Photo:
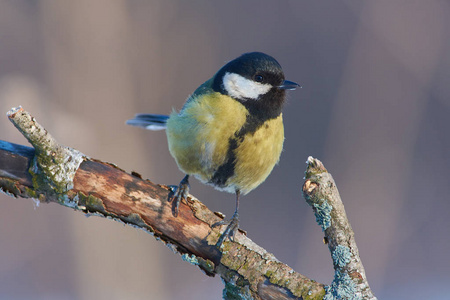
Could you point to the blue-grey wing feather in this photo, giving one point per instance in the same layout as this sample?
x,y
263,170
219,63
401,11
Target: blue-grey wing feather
x,y
149,121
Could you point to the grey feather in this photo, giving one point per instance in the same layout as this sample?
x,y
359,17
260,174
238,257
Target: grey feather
x,y
149,121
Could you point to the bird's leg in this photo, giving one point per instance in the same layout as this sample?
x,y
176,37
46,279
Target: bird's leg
x,y
181,193
233,224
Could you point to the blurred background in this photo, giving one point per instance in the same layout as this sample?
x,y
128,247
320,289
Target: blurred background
x,y
374,107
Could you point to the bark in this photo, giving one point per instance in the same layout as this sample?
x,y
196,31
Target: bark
x,y
322,195
51,172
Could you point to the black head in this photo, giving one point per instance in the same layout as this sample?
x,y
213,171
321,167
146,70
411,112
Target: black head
x,y
256,80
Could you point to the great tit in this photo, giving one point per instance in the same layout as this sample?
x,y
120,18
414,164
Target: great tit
x,y
229,133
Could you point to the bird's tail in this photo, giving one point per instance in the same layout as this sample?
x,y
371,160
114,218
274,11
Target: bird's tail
x,y
148,121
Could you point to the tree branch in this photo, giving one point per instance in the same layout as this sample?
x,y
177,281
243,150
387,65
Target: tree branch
x,y
322,195
54,173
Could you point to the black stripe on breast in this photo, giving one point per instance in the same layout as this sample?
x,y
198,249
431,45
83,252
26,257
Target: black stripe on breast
x,y
266,108
226,170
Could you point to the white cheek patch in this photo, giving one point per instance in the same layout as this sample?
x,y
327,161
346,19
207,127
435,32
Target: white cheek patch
x,y
241,87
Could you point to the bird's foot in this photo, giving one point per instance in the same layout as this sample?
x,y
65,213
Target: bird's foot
x,y
180,193
230,231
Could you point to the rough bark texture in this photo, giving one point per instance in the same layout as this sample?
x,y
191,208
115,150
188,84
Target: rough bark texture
x,y
322,195
54,173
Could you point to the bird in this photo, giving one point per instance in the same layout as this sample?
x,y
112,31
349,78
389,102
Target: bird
x,y
229,133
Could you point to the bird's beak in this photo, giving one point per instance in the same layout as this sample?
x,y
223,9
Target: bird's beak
x,y
289,85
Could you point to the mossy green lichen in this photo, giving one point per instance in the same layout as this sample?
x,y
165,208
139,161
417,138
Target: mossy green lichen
x,y
207,266
9,187
53,170
33,194
314,296
268,273
253,267
136,220
91,203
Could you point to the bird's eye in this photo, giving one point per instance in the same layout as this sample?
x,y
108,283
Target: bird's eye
x,y
258,78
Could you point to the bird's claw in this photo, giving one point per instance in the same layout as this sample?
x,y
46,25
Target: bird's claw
x,y
180,193
230,231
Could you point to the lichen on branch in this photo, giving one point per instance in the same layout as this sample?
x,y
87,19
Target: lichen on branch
x,y
53,173
322,195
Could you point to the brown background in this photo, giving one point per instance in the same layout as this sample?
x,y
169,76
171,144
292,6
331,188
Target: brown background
x,y
374,108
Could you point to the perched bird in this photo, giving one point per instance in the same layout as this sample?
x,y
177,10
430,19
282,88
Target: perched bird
x,y
229,133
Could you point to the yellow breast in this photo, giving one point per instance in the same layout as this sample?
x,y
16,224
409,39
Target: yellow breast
x,y
199,135
257,154
199,139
